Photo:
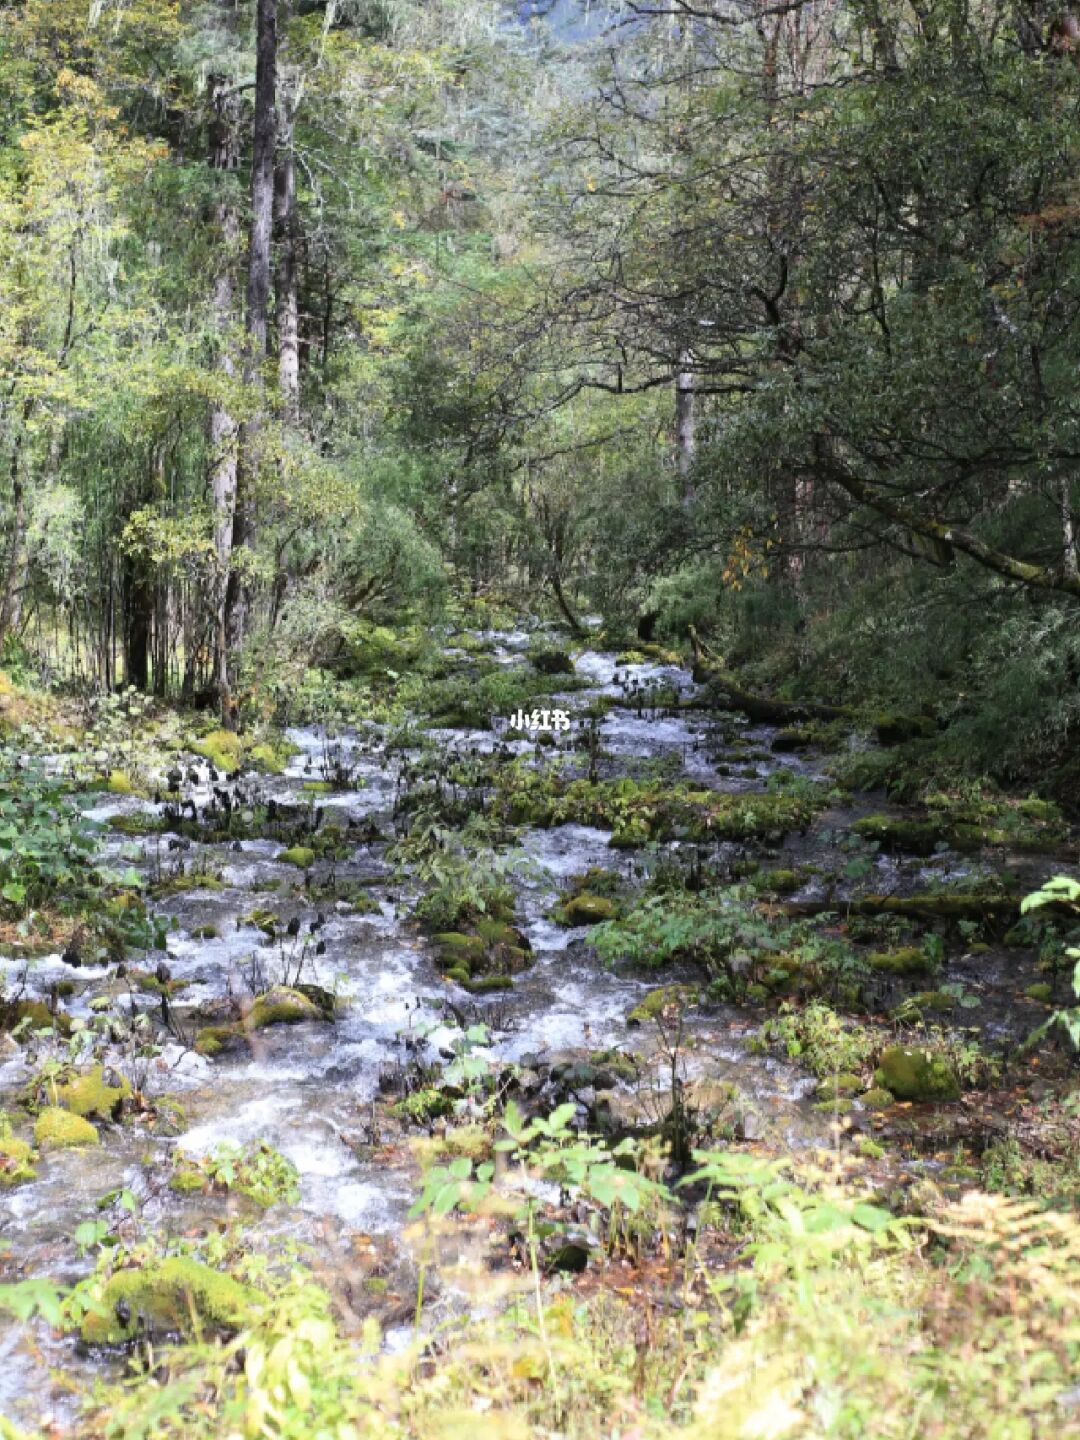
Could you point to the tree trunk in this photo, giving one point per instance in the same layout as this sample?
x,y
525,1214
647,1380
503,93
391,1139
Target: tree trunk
x,y
288,299
1070,554
685,428
224,156
257,325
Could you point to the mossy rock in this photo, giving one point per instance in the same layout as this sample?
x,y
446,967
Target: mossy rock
x,y
792,738
91,1094
302,856
657,1001
456,950
869,1149
498,932
909,960
206,932
57,1129
916,1074
898,729
877,1098
223,748
843,1084
937,1000
836,1105
318,787
139,823
120,783
272,756
16,1161
586,909
14,1012
173,1296
778,882
281,1006
218,1039
908,837
1040,991
459,974
485,984
552,662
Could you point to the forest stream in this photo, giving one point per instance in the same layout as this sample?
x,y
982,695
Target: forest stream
x,y
322,1092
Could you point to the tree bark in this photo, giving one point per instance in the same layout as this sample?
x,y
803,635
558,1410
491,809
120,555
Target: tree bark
x,y
288,299
685,428
237,593
224,157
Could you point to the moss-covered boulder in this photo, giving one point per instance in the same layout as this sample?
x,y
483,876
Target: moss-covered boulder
x,y
586,909
223,748
916,1074
281,1006
1040,991
908,960
94,1094
485,984
302,856
176,1296
57,1129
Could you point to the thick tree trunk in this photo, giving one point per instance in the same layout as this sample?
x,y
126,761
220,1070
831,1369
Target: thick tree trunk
x,y
237,596
224,154
1070,553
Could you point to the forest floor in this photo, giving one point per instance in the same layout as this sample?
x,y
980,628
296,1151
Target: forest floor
x,y
432,1078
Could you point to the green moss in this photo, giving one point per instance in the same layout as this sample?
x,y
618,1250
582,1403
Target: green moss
x,y
205,932
281,1006
318,787
586,909
14,1012
916,1074
16,1161
484,984
498,932
272,757
90,1094
57,1129
120,783
869,1149
657,1001
778,882
838,1105
455,950
187,1182
423,1105
878,1098
302,856
844,1084
213,1039
222,748
909,960
1040,991
140,823
174,1296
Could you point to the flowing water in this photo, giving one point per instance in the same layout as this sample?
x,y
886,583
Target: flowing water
x,y
309,1089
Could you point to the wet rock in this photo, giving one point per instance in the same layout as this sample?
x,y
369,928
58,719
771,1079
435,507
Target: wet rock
x,y
916,1074
281,1006
57,1129
909,837
173,1296
586,909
